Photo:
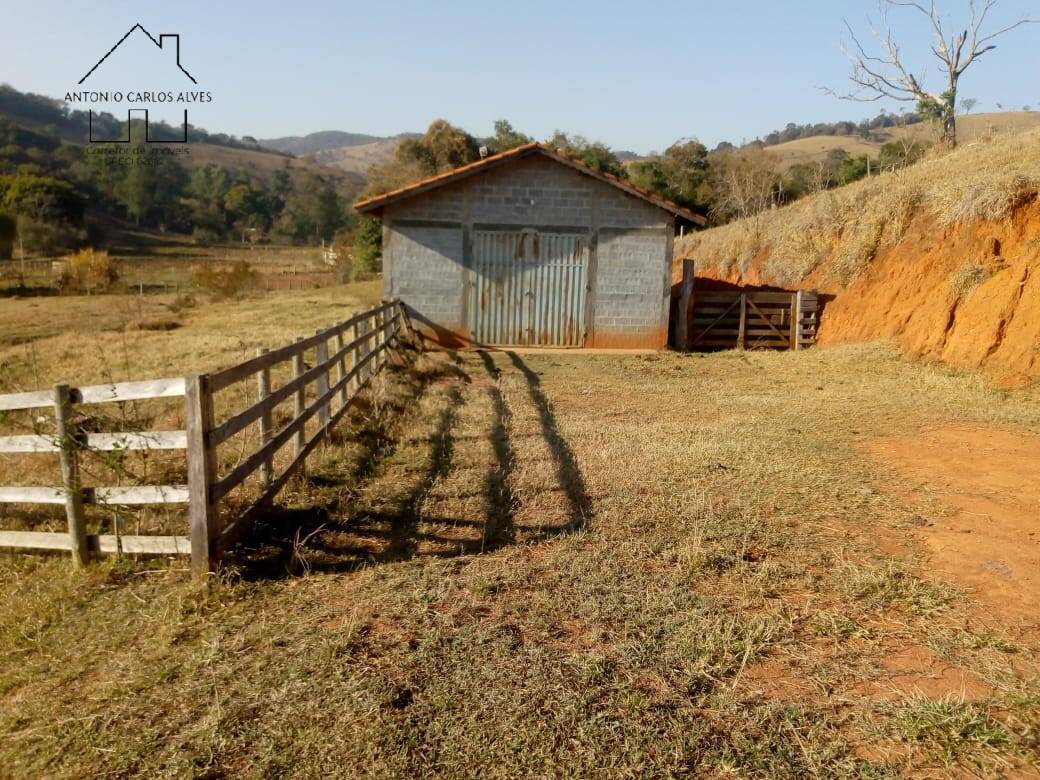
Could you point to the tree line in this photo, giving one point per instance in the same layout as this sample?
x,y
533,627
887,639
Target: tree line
x,y
56,196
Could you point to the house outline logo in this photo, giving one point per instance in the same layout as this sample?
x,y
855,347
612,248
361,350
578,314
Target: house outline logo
x,y
163,37
158,42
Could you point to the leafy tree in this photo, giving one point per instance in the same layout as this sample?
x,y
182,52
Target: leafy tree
x,y
368,245
595,154
48,212
248,206
506,138
313,212
151,187
681,174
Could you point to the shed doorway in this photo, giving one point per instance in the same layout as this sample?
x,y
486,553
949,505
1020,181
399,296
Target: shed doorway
x,y
529,288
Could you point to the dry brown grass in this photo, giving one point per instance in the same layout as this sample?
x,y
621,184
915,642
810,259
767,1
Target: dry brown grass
x,y
969,128
839,232
547,565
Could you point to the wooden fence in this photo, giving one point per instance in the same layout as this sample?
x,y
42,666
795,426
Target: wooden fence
x,y
744,319
360,347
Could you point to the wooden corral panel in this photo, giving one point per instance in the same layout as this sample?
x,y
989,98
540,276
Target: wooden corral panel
x,y
736,319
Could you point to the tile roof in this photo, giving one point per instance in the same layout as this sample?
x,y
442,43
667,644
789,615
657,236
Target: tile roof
x,y
376,203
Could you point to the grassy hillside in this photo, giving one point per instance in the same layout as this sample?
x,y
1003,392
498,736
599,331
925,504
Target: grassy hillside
x,y
316,142
969,128
262,164
940,256
357,160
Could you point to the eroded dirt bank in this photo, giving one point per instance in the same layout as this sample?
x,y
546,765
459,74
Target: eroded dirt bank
x,y
968,295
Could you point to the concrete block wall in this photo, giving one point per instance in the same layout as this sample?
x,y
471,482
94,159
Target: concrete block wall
x,y
630,281
425,271
424,256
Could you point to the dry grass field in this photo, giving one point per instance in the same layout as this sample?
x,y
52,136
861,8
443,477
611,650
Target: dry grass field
x,y
556,565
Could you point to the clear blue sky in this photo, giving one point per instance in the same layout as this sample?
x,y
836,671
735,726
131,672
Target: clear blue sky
x,y
637,75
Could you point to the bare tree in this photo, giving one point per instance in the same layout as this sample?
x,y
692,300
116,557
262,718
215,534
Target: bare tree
x,y
968,104
885,74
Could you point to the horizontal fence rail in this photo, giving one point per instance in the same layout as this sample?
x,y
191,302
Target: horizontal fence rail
x,y
346,357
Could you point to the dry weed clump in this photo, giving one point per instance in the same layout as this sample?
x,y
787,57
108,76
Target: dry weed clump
x,y
86,271
968,278
840,231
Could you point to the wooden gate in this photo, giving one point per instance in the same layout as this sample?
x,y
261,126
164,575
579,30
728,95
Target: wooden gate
x,y
735,319
529,288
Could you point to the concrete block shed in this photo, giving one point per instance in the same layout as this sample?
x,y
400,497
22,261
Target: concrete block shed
x,y
530,248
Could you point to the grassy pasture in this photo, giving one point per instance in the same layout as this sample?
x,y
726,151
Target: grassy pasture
x,y
542,565
165,262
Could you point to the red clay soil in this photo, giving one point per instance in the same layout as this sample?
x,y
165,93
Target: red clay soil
x,y
905,295
984,534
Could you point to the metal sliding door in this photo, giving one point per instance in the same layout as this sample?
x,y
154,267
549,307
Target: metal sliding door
x,y
529,288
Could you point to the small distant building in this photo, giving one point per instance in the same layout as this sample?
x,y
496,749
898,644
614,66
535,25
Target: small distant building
x,y
531,247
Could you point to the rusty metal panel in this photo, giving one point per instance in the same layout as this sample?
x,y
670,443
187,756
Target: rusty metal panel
x,y
529,288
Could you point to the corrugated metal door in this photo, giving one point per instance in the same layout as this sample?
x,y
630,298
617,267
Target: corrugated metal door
x,y
529,288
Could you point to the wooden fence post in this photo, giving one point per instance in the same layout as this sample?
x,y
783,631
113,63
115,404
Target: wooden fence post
x,y
299,440
202,469
363,350
69,444
354,335
796,321
741,340
682,330
263,389
321,352
341,370
377,363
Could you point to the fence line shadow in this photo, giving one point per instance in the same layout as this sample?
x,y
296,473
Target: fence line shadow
x,y
500,527
568,474
288,540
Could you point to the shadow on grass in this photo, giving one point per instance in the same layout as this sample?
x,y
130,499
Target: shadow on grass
x,y
499,528
567,472
345,532
288,540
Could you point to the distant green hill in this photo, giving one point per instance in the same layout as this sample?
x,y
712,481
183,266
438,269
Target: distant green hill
x,y
325,140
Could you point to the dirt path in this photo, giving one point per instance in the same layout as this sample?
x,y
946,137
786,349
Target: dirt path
x,y
980,493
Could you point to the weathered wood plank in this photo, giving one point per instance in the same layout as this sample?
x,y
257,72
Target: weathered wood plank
x,y
32,495
35,540
144,440
104,543
35,400
140,545
28,443
140,494
129,391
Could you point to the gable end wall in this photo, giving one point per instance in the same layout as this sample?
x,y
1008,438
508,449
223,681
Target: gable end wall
x,y
427,243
